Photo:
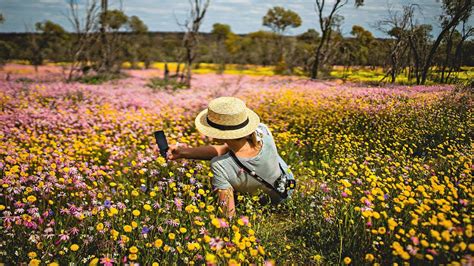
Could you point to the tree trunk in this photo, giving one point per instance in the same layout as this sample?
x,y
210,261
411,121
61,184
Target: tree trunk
x,y
317,58
167,72
450,25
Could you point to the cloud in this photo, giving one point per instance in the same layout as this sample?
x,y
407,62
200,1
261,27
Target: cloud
x,y
242,15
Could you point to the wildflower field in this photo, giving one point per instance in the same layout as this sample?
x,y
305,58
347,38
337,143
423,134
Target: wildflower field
x,y
384,175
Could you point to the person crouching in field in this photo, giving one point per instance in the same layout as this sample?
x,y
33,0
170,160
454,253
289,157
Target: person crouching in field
x,y
246,159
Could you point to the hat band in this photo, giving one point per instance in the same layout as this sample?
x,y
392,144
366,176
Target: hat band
x,y
225,127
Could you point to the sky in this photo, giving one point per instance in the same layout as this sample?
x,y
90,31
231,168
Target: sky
x,y
243,16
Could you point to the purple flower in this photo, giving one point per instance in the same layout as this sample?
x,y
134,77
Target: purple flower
x,y
145,230
216,243
203,231
107,203
74,231
179,203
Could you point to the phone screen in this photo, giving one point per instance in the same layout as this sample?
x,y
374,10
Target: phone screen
x,y
161,141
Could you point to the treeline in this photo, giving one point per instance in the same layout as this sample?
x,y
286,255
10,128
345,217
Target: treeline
x,y
259,48
107,38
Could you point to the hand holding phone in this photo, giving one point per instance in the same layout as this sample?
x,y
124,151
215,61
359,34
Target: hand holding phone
x,y
162,143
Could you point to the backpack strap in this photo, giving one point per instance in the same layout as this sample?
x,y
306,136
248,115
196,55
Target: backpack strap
x,y
254,175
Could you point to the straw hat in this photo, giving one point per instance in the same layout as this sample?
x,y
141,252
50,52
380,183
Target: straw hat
x,y
227,118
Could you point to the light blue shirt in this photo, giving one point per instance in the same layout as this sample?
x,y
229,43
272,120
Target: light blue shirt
x,y
265,164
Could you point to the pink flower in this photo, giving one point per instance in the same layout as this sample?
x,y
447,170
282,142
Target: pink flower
x,y
106,261
223,223
245,219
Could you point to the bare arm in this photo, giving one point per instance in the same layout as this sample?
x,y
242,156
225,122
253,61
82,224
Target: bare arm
x,y
226,198
198,153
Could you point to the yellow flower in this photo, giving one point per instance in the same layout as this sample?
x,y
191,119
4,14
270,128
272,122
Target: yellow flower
x,y
147,207
158,243
32,255
54,263
136,213
171,236
347,260
189,209
182,230
134,224
74,247
233,262
210,208
34,262
381,230
317,258
446,236
376,215
99,226
253,252
133,249
31,199
216,222
133,256
94,262
210,258
2,207
113,211
369,257
127,228
405,255
190,246
135,193
424,243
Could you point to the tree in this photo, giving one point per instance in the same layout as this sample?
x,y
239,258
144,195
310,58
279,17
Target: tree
x,y
307,43
397,26
363,43
279,19
79,51
419,37
111,21
327,25
53,39
220,33
139,45
45,42
191,37
454,12
6,48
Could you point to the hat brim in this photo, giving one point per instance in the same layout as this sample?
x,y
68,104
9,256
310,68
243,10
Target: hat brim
x,y
203,127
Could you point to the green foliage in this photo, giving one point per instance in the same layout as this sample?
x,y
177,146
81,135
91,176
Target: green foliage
x,y
99,78
136,25
113,19
170,84
279,19
6,50
221,31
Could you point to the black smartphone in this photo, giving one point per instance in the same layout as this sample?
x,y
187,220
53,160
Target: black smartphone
x,y
161,141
